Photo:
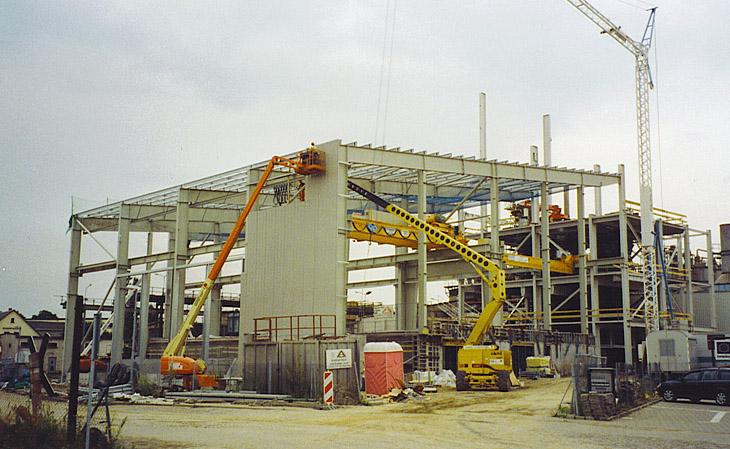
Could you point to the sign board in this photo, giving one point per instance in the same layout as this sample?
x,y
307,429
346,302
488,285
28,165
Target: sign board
x,y
722,349
339,358
601,380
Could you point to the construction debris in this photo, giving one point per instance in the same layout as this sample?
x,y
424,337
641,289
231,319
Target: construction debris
x,y
228,397
395,395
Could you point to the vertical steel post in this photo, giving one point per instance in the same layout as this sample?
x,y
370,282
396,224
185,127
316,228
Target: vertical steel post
x,y
483,155
92,375
73,393
711,279
582,279
623,242
144,306
71,292
597,207
120,291
422,254
545,254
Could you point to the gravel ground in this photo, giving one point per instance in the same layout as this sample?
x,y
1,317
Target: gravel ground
x,y
519,419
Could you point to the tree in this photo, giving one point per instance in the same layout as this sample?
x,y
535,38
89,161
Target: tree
x,y
44,315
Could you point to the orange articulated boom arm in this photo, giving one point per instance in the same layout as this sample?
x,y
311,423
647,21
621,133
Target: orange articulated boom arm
x,y
178,341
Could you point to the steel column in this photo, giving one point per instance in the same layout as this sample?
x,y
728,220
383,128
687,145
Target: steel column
x,y
72,292
623,242
582,260
422,275
120,288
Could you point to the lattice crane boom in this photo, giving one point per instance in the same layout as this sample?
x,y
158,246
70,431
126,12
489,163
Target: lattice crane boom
x,y
644,83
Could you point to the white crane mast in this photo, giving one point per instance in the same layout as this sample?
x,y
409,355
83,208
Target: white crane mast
x,y
640,50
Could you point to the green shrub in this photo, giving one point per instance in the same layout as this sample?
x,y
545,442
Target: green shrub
x,y
19,429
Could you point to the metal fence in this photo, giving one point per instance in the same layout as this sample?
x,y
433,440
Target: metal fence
x,y
14,402
297,368
10,401
602,392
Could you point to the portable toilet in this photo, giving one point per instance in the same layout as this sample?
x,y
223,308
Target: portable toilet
x,y
383,365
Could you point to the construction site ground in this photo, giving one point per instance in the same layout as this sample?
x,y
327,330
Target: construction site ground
x,y
521,418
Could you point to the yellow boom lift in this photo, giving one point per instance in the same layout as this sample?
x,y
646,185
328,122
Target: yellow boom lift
x,y
173,361
479,366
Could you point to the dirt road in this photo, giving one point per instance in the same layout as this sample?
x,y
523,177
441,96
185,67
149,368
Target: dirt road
x,y
518,419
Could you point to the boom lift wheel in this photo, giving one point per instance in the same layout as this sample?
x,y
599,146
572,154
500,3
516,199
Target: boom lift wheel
x,y
461,383
503,381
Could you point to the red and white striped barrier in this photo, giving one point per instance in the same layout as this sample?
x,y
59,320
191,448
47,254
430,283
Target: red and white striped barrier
x,y
328,387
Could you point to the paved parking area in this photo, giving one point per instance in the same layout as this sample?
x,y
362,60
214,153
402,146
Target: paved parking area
x,y
704,417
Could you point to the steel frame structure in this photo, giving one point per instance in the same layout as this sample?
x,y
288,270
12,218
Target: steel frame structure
x,y
419,182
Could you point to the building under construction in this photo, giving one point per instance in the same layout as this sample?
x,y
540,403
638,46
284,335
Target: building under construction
x,y
573,277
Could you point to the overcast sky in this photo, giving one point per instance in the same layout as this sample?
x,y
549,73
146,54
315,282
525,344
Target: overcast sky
x,y
108,100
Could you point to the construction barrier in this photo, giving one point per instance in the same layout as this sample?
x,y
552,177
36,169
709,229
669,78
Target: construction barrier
x,y
328,388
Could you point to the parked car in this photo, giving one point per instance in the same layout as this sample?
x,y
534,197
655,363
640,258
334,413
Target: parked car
x,y
708,383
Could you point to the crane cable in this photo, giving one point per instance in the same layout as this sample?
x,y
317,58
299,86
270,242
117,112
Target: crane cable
x,y
383,77
658,128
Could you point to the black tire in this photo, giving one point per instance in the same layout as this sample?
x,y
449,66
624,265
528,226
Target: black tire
x,y
503,381
721,398
461,383
669,395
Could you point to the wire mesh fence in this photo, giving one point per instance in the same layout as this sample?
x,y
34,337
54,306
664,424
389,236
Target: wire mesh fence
x,y
19,402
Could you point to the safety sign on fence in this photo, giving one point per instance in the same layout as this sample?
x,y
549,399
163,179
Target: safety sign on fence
x,y
328,387
339,358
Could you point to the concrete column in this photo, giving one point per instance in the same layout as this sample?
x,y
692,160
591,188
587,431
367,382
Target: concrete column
x,y
120,290
180,260
422,254
582,280
545,254
598,209
623,239
566,201
72,291
711,279
595,300
144,310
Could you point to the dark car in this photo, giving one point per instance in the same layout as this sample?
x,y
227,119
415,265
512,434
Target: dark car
x,y
708,383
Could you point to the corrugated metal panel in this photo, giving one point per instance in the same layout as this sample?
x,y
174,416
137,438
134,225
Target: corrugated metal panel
x,y
297,368
292,254
703,310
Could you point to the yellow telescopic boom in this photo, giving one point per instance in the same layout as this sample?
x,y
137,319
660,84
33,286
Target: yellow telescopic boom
x,y
495,281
